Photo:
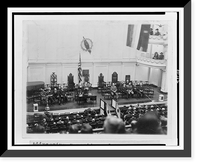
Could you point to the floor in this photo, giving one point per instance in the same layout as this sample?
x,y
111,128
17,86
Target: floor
x,y
74,104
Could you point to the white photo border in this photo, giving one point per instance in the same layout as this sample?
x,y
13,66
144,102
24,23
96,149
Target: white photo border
x,y
17,121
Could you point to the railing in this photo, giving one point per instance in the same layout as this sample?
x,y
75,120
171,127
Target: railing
x,y
99,130
146,59
158,40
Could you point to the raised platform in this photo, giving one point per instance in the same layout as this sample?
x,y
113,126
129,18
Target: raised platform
x,y
81,109
73,105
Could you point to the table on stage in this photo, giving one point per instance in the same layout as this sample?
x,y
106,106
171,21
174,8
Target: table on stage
x,y
86,98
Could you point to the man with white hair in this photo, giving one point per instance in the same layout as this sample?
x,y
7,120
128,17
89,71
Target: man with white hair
x,y
114,125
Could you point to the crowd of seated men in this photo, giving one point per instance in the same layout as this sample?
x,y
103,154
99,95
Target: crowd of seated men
x,y
51,95
56,123
127,90
130,115
61,94
90,121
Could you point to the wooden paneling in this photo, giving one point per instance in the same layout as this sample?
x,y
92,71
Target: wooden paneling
x,y
36,73
42,72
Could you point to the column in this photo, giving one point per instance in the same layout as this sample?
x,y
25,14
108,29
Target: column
x,y
149,74
164,81
135,71
94,84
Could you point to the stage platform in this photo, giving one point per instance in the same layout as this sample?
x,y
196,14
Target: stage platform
x,y
73,105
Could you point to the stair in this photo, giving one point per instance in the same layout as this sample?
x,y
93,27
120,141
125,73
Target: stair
x,y
113,113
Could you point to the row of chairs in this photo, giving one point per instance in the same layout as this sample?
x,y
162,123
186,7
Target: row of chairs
x,y
54,123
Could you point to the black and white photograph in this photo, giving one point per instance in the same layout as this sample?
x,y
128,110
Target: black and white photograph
x,y
96,79
96,76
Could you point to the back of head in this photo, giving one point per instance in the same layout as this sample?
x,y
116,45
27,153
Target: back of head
x,y
74,128
133,124
114,125
151,115
86,128
38,129
149,124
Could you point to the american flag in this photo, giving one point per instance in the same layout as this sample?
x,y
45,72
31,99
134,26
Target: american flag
x,y
79,69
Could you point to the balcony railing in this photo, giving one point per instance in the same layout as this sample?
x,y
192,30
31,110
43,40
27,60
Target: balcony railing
x,y
146,59
158,40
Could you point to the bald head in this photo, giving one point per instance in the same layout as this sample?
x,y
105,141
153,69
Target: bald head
x,y
114,125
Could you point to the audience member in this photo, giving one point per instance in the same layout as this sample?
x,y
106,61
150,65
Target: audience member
x,y
114,125
161,56
74,128
38,128
86,129
157,33
113,90
156,55
149,124
151,31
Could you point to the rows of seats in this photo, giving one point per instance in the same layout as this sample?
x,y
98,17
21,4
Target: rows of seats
x,y
129,113
54,123
57,123
129,89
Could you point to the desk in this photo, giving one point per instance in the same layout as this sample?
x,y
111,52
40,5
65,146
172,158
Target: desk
x,y
107,96
85,98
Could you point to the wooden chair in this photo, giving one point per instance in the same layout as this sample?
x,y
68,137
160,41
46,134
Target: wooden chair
x,y
101,83
93,99
71,84
127,77
53,80
114,77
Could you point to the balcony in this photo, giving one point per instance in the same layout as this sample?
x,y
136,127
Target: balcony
x,y
162,40
144,58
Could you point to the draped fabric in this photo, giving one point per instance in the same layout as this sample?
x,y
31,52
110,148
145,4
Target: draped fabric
x,y
129,41
144,37
79,70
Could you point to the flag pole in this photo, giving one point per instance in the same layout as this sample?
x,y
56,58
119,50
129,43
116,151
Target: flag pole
x,y
79,69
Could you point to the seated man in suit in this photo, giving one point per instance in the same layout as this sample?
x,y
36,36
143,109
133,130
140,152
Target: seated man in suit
x,y
157,33
56,95
161,56
127,82
130,89
86,85
62,94
113,90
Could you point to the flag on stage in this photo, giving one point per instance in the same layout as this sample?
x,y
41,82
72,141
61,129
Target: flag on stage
x,y
79,69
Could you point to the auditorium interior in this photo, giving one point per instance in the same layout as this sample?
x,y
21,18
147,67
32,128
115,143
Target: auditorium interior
x,y
96,76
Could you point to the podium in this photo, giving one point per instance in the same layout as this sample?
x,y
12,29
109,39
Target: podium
x,y
161,98
35,107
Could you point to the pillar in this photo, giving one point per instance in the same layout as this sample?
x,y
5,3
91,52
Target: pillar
x,y
149,74
164,81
